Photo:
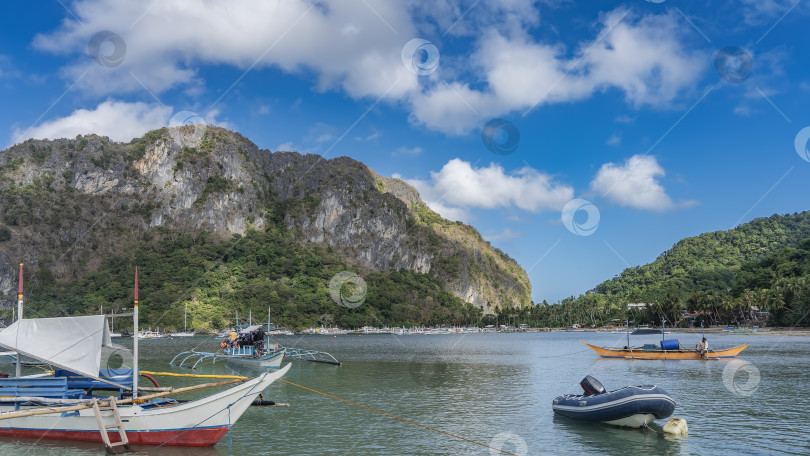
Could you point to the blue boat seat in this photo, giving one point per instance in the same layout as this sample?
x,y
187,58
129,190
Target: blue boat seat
x,y
49,387
121,376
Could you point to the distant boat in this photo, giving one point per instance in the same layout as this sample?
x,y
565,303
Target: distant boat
x,y
647,331
184,332
652,351
149,334
631,406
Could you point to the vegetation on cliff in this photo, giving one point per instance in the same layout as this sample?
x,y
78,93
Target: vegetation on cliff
x,y
226,227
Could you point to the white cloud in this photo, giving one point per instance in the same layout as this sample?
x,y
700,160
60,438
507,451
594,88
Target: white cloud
x,y
286,147
458,185
355,47
506,234
375,135
642,57
635,184
345,43
614,140
119,120
408,151
760,12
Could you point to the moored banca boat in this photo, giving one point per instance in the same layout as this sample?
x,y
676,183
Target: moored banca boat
x,y
631,406
669,349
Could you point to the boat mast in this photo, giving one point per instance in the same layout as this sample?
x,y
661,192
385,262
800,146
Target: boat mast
x,y
135,341
628,333
18,370
185,316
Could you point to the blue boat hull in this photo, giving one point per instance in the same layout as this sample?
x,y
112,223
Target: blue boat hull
x,y
632,406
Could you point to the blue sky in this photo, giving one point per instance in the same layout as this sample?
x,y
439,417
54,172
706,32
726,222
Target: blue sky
x,y
640,122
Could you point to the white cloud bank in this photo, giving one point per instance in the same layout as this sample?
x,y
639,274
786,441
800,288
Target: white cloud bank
x,y
346,43
640,56
355,46
635,184
119,120
458,186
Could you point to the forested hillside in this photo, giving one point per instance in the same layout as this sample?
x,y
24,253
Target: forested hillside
x,y
763,264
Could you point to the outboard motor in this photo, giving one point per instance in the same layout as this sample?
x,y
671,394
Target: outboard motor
x,y
591,386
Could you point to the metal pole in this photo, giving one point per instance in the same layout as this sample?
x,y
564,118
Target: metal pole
x,y
628,333
18,370
135,342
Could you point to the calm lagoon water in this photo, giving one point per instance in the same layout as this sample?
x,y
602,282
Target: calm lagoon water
x,y
497,389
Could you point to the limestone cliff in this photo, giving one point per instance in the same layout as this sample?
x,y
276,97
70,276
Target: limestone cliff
x,y
68,203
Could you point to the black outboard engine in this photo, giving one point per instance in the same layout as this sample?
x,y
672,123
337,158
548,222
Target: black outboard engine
x,y
591,386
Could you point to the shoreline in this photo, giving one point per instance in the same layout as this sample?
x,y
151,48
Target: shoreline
x,y
758,332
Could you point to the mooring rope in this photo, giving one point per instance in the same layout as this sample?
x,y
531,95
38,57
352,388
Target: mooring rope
x,y
398,418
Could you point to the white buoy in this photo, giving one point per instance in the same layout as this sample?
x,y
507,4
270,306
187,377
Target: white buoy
x,y
676,426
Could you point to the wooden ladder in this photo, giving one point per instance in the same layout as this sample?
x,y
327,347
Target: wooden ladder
x,y
104,429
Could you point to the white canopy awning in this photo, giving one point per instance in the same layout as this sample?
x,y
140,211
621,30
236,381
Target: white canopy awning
x,y
250,329
70,343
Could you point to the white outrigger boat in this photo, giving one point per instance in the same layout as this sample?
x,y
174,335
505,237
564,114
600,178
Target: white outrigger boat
x,y
63,406
252,347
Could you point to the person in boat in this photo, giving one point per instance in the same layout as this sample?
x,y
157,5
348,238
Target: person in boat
x,y
703,348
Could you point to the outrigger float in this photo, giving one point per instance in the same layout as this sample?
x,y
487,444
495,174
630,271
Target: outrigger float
x,y
66,404
252,347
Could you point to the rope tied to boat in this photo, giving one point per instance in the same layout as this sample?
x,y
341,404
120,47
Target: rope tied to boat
x,y
398,418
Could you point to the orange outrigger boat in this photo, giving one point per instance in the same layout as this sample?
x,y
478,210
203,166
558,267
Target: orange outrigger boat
x,y
656,352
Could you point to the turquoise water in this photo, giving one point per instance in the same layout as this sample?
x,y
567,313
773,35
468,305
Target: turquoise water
x,y
496,389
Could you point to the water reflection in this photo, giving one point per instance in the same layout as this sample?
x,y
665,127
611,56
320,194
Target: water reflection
x,y
606,439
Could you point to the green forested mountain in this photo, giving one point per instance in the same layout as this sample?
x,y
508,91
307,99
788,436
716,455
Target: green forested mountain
x,y
761,264
225,227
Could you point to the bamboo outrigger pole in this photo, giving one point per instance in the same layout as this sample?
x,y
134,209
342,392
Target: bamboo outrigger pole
x,y
135,373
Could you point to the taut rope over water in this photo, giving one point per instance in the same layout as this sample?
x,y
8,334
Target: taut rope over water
x,y
398,418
